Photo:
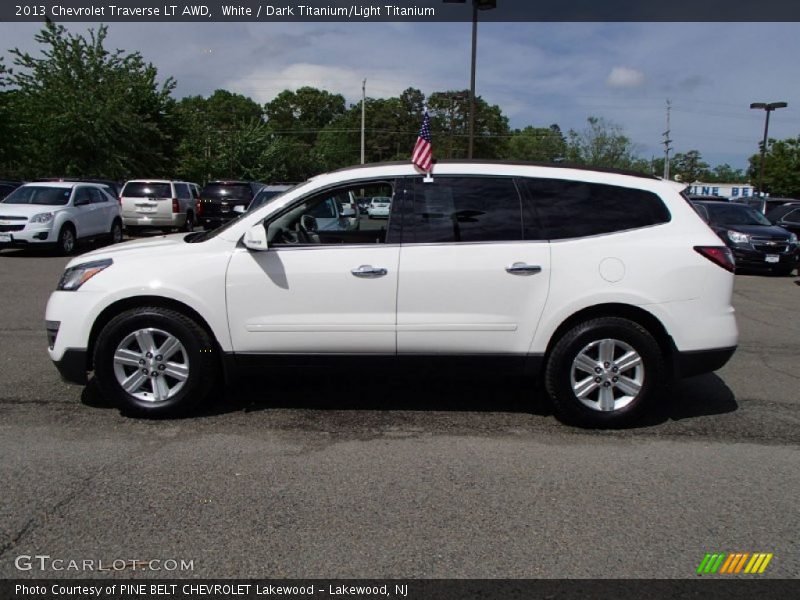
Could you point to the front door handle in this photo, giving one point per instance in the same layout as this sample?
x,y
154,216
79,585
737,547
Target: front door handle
x,y
368,271
521,268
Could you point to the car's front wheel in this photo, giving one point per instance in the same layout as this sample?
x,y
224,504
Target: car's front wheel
x,y
605,372
66,241
155,361
115,236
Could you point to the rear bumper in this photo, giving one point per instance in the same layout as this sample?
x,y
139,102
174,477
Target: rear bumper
x,y
176,220
698,362
73,366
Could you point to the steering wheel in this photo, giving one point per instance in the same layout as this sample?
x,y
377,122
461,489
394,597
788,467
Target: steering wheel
x,y
306,229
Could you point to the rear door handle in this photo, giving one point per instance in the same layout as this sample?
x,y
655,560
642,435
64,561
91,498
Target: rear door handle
x,y
368,271
521,268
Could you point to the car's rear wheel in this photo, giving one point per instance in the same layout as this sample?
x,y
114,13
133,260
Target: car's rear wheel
x,y
66,240
188,225
155,361
605,372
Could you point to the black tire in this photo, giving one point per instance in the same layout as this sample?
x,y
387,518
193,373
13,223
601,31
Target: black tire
x,y
559,370
115,235
188,225
67,241
200,356
132,230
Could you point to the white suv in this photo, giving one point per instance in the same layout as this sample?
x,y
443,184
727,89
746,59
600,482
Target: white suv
x,y
605,284
58,214
159,203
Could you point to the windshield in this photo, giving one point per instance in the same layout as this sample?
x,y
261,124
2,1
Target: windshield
x,y
730,214
45,196
202,236
140,189
262,198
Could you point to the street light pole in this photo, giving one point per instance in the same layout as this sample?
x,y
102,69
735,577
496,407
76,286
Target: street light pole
x,y
472,80
768,108
476,6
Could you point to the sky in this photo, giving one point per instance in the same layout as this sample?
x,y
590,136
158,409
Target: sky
x,y
538,73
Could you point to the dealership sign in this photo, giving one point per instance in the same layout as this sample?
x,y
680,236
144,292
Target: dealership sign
x,y
729,190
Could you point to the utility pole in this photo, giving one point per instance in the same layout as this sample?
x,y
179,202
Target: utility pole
x,y
363,116
667,142
768,107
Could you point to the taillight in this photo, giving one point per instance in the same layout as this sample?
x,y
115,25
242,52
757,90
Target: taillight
x,y
175,207
198,208
720,255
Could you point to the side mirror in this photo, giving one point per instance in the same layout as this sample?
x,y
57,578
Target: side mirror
x,y
255,238
240,209
347,211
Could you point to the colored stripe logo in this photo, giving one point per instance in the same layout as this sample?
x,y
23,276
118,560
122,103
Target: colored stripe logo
x,y
732,563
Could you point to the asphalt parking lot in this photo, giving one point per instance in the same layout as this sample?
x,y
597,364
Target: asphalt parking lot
x,y
357,477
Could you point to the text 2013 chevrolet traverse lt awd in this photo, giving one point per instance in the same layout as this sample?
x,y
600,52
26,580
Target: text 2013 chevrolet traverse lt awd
x,y
606,285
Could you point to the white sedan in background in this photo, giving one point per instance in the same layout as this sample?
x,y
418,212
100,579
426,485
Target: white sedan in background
x,y
379,207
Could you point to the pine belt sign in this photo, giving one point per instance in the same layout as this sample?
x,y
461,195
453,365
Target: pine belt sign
x,y
728,190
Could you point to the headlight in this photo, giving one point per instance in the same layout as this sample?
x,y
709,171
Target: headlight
x,y
738,238
42,217
76,276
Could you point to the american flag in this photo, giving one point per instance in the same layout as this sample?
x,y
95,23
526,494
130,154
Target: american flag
x,y
422,157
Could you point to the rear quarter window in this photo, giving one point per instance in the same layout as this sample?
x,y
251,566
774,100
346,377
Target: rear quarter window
x,y
562,209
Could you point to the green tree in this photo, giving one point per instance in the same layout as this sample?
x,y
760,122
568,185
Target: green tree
x,y
602,144
725,173
303,113
87,111
781,168
539,144
689,167
449,112
211,130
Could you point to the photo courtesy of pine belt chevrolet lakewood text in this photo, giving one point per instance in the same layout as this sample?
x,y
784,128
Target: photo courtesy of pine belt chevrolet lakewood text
x,y
604,285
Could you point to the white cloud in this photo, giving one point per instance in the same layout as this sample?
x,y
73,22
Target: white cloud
x,y
624,77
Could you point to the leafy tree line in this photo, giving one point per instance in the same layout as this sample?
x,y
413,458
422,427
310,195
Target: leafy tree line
x,y
78,109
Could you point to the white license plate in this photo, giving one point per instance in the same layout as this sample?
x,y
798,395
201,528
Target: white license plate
x,y
772,258
146,209
5,238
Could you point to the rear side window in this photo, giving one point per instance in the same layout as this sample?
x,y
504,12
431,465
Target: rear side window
x,y
135,189
98,196
570,209
465,209
182,190
222,191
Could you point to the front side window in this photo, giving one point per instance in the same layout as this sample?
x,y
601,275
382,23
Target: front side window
x,y
83,195
566,209
465,209
331,217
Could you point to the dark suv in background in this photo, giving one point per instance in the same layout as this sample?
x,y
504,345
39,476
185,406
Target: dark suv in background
x,y
756,243
7,186
786,216
218,199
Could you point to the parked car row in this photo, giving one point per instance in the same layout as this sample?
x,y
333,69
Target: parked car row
x,y
60,213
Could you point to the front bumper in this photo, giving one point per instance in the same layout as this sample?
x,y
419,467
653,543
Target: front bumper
x,y
73,365
30,235
755,259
